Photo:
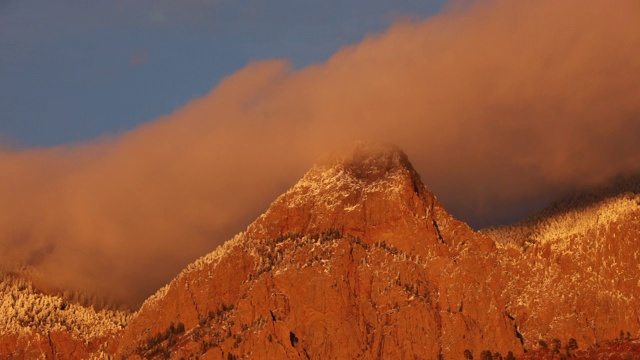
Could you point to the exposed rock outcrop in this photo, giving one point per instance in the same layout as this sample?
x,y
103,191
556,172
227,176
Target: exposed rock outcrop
x,y
359,260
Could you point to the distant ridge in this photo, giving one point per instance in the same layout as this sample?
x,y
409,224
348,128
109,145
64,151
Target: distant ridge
x,y
575,212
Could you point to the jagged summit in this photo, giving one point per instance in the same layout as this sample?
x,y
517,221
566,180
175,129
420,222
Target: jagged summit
x,y
372,193
375,162
372,162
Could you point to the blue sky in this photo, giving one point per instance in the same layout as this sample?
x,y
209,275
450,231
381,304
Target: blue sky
x,y
74,70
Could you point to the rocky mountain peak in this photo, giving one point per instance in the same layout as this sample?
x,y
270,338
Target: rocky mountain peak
x,y
359,260
355,258
372,193
373,162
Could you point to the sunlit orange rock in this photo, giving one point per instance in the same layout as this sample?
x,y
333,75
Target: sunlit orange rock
x,y
360,261
357,260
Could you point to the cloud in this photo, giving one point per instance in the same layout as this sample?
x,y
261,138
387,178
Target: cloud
x,y
500,105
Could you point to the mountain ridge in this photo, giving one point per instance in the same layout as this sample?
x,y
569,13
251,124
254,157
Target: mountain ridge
x,y
359,260
337,192
385,216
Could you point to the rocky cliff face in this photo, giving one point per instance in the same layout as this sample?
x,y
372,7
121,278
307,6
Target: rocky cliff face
x,y
357,260
360,261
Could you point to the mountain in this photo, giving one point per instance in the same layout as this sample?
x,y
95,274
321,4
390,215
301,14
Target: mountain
x,y
359,260
575,272
37,325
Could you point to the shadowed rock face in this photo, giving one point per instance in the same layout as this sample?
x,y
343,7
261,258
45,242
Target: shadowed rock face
x,y
360,261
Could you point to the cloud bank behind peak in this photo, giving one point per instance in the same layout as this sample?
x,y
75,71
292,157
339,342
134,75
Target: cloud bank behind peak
x,y
500,106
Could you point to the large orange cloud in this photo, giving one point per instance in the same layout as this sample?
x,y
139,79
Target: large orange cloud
x,y
500,105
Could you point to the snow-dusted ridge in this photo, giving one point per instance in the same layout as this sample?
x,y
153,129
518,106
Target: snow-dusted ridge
x,y
342,183
371,168
209,260
556,228
330,185
25,311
